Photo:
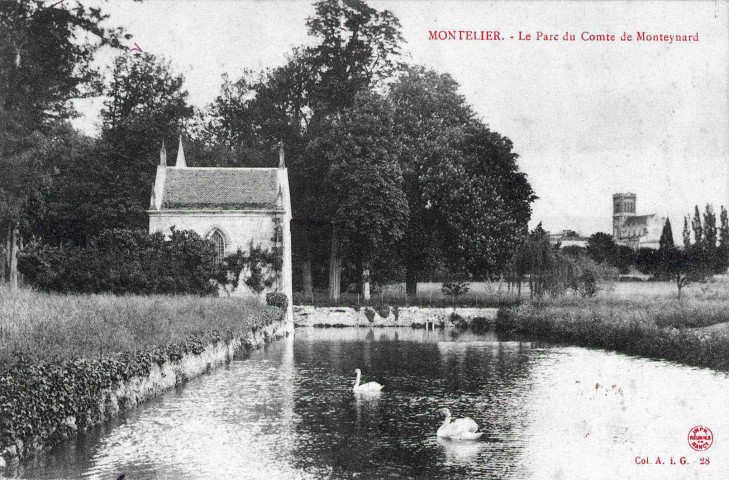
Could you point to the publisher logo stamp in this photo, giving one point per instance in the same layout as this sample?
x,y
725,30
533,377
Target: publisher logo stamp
x,y
700,438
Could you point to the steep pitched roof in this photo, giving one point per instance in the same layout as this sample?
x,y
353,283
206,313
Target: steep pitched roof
x,y
220,188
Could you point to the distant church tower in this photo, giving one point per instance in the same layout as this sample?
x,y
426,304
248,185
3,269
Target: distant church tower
x,y
623,208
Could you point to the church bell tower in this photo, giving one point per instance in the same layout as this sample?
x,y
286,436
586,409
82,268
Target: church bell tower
x,y
623,207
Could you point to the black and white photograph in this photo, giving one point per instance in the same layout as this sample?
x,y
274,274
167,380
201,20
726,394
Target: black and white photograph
x,y
364,239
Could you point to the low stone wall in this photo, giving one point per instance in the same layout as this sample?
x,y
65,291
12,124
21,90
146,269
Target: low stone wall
x,y
128,394
124,395
414,317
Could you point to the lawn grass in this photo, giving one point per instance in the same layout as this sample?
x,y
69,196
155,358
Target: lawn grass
x,y
497,294
480,294
51,327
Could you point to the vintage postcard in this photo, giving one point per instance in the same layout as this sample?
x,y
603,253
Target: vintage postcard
x,y
313,239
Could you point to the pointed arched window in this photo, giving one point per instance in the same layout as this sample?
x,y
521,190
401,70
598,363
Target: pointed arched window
x,y
219,242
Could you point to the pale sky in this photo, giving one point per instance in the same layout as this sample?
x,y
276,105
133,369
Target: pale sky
x,y
588,119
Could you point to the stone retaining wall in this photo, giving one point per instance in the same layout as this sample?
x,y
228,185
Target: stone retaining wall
x,y
308,316
138,390
125,395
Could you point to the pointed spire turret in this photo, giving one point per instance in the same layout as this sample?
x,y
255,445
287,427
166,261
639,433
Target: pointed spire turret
x,y
163,155
281,163
180,156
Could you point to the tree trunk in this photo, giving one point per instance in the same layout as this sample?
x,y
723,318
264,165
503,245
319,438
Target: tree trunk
x,y
366,282
411,281
8,249
679,285
335,268
306,271
14,259
307,282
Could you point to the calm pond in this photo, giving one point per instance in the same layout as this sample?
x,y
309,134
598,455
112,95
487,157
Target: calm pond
x,y
288,411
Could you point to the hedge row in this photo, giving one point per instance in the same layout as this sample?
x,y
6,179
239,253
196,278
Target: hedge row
x,y
41,404
624,330
125,262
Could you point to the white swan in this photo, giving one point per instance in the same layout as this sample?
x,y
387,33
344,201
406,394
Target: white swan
x,y
459,429
365,387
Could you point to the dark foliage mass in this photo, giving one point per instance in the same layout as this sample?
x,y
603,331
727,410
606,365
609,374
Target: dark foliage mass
x,y
277,299
125,262
553,272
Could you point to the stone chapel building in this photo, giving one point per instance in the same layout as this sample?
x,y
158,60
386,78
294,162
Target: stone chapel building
x,y
230,206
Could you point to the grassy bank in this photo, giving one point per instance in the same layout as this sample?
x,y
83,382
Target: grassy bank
x,y
61,357
480,295
43,327
651,327
497,294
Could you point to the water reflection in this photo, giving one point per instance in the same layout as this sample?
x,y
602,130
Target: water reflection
x,y
289,412
460,452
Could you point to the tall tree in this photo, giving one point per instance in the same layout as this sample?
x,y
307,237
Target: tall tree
x,y
369,207
147,105
536,257
686,233
709,228
46,54
601,247
697,228
666,240
710,240
357,48
60,210
430,119
723,249
468,201
488,206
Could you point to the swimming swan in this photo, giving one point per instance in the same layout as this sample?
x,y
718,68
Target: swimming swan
x,y
365,387
459,429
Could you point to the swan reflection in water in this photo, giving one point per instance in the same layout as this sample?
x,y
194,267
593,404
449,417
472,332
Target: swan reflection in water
x,y
368,403
459,452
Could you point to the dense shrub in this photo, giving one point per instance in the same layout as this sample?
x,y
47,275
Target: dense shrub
x,y
458,321
383,310
125,262
481,324
277,299
370,314
584,276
